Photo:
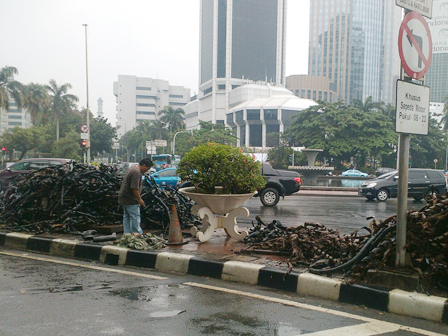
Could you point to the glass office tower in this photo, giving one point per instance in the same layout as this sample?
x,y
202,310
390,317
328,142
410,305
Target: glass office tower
x,y
241,41
354,44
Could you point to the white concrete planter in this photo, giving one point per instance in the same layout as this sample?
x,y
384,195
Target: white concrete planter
x,y
219,204
218,211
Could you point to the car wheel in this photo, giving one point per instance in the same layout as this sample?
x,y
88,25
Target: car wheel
x,y
269,197
382,195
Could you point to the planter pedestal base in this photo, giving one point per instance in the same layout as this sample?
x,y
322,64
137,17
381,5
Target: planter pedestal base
x,y
211,222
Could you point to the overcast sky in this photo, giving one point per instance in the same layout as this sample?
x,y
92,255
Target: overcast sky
x,y
45,39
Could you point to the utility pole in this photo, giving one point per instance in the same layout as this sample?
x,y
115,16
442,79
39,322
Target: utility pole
x,y
87,105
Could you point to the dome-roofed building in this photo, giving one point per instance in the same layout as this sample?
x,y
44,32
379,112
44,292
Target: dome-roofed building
x,y
253,119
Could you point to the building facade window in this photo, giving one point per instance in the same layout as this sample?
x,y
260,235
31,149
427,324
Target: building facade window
x,y
270,114
255,135
147,113
146,105
143,88
254,41
146,97
176,96
253,114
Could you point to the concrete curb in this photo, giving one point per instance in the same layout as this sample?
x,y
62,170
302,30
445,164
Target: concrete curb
x,y
394,301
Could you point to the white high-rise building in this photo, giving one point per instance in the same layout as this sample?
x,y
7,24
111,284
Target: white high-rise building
x,y
241,42
14,117
140,98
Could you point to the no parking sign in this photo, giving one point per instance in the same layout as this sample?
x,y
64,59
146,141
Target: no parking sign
x,y
415,45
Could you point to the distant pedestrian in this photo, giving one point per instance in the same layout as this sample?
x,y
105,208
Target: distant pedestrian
x,y
130,199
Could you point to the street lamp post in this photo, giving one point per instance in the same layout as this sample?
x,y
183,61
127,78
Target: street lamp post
x,y
87,105
143,149
174,140
127,153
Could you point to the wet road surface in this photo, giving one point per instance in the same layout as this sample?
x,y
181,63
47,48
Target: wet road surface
x,y
343,213
81,298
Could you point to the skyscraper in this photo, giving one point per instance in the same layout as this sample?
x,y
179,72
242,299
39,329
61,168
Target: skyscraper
x,y
241,41
354,44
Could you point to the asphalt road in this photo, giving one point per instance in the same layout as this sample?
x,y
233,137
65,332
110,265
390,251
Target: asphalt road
x,y
42,295
343,213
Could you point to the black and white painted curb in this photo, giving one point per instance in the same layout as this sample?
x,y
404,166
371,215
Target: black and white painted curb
x,y
394,301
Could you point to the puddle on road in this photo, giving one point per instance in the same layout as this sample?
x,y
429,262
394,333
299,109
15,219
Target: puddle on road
x,y
170,313
288,330
131,294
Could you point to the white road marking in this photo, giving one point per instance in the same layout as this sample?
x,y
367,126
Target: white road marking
x,y
371,323
154,277
365,329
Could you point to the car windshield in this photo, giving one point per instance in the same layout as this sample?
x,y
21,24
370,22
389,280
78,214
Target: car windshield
x,y
387,175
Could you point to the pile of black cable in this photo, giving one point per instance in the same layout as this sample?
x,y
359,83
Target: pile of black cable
x,y
64,199
156,213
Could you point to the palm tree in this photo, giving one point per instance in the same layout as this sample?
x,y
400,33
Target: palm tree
x,y
9,88
367,106
174,118
158,130
61,102
36,101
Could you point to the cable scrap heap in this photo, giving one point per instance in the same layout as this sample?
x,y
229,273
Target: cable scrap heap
x,y
324,251
73,199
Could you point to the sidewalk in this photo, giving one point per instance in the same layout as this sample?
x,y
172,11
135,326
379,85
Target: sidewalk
x,y
219,258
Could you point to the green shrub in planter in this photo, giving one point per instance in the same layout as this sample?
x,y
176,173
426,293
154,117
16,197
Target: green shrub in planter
x,y
210,165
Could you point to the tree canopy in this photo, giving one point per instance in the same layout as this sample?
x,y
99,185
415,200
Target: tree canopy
x,y
343,131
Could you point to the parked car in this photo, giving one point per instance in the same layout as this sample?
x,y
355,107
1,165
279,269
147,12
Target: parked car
x,y
383,170
26,166
166,177
420,181
354,173
278,183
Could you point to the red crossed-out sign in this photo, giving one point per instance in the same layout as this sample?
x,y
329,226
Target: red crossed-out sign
x,y
84,128
415,45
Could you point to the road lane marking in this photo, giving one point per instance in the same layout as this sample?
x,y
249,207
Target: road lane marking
x,y
370,321
365,329
97,268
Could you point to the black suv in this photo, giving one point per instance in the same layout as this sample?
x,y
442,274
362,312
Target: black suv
x,y
278,183
420,181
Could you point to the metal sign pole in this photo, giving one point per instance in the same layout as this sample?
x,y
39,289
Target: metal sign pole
x,y
412,118
403,162
402,201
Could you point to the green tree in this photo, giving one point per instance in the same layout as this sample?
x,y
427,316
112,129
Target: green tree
x,y
61,102
158,130
272,139
102,134
279,156
9,87
68,147
21,140
218,133
368,106
36,100
173,118
424,149
342,131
